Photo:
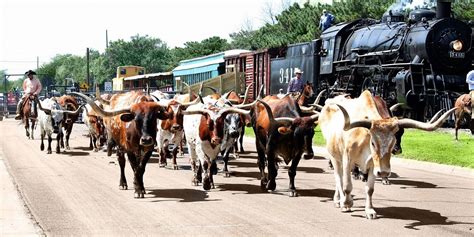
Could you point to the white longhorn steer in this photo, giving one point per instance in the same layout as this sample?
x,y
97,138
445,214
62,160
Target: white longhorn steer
x,y
50,117
356,134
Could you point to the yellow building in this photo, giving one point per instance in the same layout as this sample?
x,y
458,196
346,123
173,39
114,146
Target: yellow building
x,y
125,71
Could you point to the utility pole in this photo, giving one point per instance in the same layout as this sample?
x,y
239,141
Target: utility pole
x,y
87,68
37,62
106,39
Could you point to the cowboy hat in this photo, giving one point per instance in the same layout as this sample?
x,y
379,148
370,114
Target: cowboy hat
x,y
30,72
297,70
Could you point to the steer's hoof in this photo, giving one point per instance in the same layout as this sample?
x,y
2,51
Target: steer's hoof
x,y
206,183
346,209
385,181
49,152
370,214
293,193
271,185
227,174
195,182
139,195
123,187
263,184
175,167
42,147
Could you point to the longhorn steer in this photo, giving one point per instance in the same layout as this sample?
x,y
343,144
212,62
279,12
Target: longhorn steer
x,y
204,129
68,103
280,130
367,142
170,130
95,126
51,116
132,125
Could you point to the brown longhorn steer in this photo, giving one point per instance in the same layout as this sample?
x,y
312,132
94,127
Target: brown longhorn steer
x,y
132,124
356,134
68,103
280,130
204,129
170,130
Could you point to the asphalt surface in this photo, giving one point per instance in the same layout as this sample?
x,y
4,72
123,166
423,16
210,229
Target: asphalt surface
x,y
76,193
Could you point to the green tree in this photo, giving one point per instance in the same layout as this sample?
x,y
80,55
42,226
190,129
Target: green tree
x,y
194,49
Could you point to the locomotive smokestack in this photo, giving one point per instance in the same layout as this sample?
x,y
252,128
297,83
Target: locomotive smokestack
x,y
443,8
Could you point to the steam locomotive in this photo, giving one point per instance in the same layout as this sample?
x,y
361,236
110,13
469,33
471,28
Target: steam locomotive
x,y
420,62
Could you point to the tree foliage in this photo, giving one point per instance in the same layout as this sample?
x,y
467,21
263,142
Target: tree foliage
x,y
293,25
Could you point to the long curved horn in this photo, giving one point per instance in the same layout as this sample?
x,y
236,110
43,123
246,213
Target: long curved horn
x,y
100,99
233,110
159,102
196,101
436,116
307,109
314,117
245,106
285,119
347,121
200,99
99,110
47,111
247,90
73,112
201,88
269,111
212,89
410,123
189,88
318,98
395,107
260,92
147,89
226,95
197,111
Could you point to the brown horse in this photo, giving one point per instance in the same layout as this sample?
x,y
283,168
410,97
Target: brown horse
x,y
29,115
305,94
463,113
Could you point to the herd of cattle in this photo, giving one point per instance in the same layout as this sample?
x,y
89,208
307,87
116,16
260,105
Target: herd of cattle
x,y
359,132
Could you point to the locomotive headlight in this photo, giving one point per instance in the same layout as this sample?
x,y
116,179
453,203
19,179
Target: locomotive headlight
x,y
456,45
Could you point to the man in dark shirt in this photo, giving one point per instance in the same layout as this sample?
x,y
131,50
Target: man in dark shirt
x,y
296,83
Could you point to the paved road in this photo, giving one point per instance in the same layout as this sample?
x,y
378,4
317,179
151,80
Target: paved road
x,y
76,193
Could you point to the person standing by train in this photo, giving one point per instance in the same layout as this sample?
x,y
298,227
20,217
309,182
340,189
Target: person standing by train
x,y
470,82
296,83
31,86
327,19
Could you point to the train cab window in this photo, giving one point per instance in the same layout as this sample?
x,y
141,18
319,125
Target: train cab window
x,y
123,71
141,72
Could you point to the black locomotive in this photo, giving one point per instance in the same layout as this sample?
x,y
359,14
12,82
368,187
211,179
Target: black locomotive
x,y
421,62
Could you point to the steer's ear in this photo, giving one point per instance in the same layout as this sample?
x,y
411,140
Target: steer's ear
x,y
284,130
127,117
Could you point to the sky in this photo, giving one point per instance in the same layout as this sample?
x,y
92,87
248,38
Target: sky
x,y
31,29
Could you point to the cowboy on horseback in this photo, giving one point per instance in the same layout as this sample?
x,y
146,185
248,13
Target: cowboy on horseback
x,y
296,83
31,87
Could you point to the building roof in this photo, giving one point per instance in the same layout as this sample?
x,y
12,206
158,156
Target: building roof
x,y
205,63
150,75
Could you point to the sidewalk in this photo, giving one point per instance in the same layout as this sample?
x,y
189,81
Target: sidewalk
x,y
15,219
